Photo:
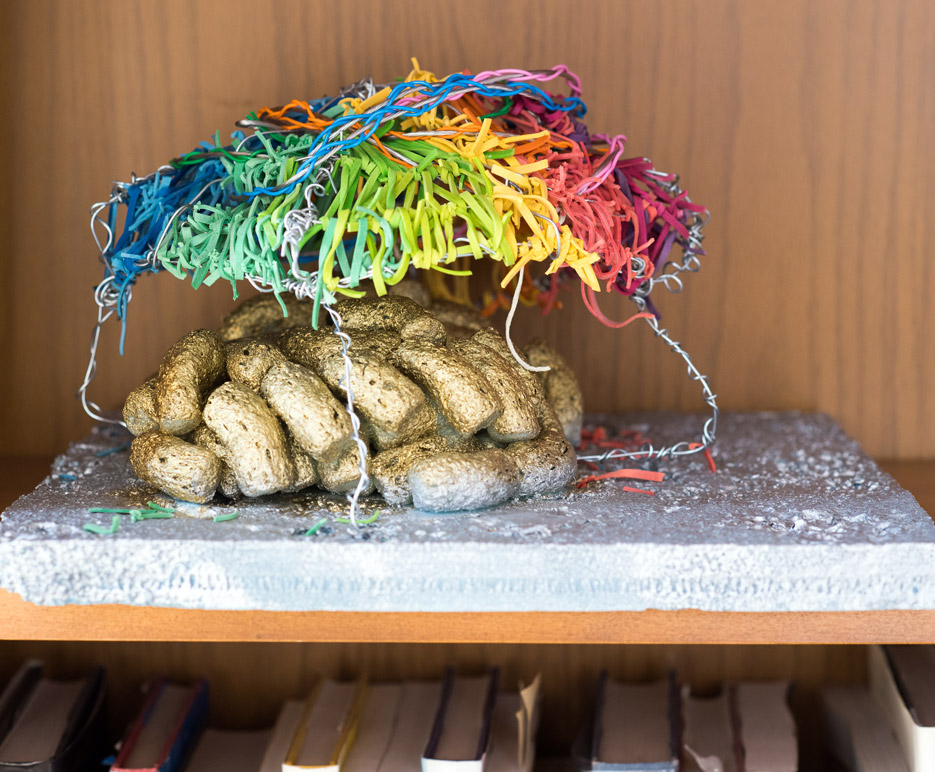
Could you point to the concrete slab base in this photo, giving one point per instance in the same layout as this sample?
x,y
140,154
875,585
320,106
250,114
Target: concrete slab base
x,y
797,518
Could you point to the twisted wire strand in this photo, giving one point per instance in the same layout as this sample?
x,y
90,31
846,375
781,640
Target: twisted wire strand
x,y
363,481
684,448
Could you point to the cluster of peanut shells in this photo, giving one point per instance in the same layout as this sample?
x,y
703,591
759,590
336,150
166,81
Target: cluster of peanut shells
x,y
451,420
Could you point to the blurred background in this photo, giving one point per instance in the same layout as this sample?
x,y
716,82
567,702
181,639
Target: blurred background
x,y
806,128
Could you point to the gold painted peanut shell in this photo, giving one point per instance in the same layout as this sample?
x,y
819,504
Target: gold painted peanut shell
x,y
189,369
547,463
391,312
318,422
517,420
262,315
390,469
386,397
249,359
462,394
178,468
251,432
561,387
139,411
342,474
205,438
453,481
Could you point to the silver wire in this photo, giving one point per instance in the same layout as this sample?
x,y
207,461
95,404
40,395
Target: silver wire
x,y
684,448
363,481
106,296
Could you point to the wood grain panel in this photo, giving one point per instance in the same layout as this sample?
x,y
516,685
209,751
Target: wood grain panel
x,y
805,128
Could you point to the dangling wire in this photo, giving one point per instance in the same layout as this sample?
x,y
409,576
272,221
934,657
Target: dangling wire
x,y
362,455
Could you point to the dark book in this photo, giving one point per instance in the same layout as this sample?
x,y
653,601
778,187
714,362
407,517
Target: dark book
x,y
162,737
51,726
636,727
460,736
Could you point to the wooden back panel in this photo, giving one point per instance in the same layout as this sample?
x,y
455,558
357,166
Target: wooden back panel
x,y
805,127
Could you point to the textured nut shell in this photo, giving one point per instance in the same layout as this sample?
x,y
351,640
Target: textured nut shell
x,y
254,437
452,481
191,367
459,317
139,411
262,314
392,312
390,469
306,470
205,438
248,360
342,474
412,289
547,463
175,466
463,395
561,387
517,420
318,422
493,340
386,397
309,347
423,423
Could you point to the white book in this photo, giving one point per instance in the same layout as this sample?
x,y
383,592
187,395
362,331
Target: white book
x,y
902,680
327,728
635,727
766,726
461,732
415,717
287,724
375,733
857,733
708,733
229,751
513,735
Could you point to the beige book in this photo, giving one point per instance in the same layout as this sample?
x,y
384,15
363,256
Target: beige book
x,y
902,680
415,716
635,723
513,736
461,732
708,734
377,722
767,729
287,724
327,728
857,734
223,751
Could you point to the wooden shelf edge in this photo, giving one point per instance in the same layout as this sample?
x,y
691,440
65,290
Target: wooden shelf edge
x,y
20,620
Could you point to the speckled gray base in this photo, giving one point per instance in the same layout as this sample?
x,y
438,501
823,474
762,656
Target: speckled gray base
x,y
797,518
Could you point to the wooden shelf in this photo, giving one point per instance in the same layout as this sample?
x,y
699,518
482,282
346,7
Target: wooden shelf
x,y
25,621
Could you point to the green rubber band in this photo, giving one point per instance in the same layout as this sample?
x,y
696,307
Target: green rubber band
x,y
315,528
100,530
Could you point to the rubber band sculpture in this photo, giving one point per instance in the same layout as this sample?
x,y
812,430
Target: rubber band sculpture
x,y
437,177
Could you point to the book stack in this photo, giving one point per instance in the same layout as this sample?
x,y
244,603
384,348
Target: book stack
x,y
461,723
890,725
659,727
469,723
